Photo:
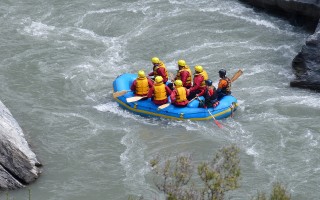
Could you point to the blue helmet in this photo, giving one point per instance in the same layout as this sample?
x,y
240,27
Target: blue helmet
x,y
208,82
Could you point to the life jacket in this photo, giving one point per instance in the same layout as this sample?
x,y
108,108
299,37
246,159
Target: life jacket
x,y
160,92
181,94
205,77
155,68
142,86
189,79
227,89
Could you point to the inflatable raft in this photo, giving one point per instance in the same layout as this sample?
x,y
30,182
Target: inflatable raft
x,y
146,107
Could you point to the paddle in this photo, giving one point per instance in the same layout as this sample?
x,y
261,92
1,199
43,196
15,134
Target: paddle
x,y
135,98
192,100
236,75
216,121
164,106
120,93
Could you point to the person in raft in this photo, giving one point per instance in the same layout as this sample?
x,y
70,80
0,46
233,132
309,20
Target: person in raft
x,y
224,85
141,85
184,74
210,96
159,69
179,95
159,92
199,83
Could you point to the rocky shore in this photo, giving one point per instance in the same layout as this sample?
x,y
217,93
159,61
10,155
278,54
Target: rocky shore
x,y
306,13
18,164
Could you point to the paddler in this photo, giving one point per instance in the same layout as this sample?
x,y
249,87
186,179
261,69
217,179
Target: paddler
x,y
141,85
159,69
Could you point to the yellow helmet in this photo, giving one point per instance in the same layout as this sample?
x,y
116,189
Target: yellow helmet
x,y
178,83
182,63
141,74
155,60
198,68
158,79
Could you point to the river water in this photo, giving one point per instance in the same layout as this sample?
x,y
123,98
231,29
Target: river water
x,y
58,60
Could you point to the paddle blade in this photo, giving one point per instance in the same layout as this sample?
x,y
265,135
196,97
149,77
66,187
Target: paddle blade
x,y
136,98
236,75
218,123
163,106
120,93
215,121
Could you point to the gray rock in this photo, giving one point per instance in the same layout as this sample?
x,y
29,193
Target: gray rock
x,y
7,181
18,164
306,65
307,8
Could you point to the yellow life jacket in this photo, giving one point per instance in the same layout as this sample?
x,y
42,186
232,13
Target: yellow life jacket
x,y
205,77
155,73
181,94
160,92
189,79
142,86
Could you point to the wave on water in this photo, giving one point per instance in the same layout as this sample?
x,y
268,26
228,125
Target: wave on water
x,y
133,161
114,108
38,29
308,101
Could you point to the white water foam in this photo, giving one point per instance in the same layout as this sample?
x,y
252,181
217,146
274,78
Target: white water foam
x,y
133,161
38,29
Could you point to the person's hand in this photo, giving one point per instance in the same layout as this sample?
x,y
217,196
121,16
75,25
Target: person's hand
x,y
215,104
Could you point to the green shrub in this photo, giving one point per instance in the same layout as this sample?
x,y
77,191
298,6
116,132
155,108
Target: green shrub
x,y
216,177
278,193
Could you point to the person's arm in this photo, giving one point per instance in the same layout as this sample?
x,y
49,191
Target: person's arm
x,y
201,93
161,71
133,86
150,82
173,96
176,77
196,83
151,73
150,93
168,91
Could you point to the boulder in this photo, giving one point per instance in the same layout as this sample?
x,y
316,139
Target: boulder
x,y
18,164
306,13
306,64
305,9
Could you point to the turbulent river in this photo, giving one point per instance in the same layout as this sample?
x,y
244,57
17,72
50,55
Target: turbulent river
x,y
58,60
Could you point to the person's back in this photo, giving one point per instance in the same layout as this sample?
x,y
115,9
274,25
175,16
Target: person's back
x,y
179,95
159,92
224,85
184,74
141,85
159,69
199,84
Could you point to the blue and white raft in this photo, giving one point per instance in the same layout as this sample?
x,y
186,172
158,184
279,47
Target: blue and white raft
x,y
226,107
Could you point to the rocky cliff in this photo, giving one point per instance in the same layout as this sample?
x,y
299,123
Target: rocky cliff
x,y
306,65
18,164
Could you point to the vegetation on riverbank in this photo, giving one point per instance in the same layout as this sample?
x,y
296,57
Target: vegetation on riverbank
x,y
175,177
